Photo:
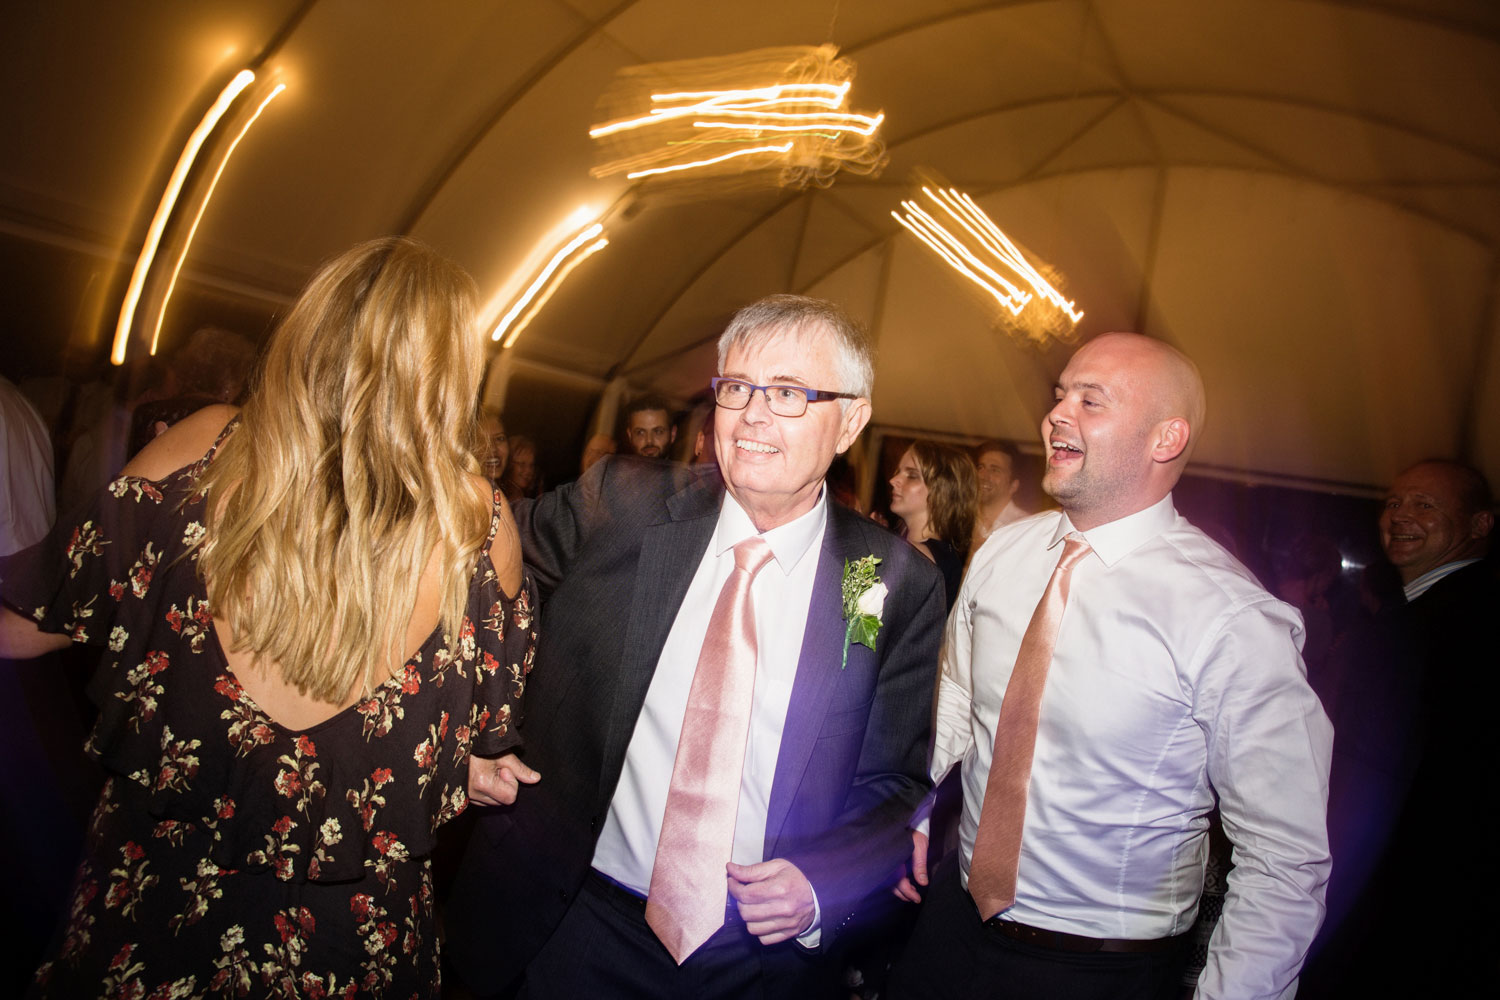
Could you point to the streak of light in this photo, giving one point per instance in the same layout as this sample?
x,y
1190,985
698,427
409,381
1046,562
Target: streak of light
x,y
784,147
202,206
583,244
674,118
562,275
970,242
169,197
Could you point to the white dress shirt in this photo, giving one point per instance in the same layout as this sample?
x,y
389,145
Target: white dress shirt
x,y
1175,677
1009,514
782,593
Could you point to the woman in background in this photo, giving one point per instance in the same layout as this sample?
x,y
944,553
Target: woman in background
x,y
314,613
520,480
935,492
494,447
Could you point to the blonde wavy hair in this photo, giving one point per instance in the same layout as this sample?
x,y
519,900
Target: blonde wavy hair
x,y
350,464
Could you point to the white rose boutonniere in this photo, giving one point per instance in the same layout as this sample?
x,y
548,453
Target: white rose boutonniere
x,y
864,600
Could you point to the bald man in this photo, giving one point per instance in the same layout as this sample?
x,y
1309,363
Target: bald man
x,y
1175,684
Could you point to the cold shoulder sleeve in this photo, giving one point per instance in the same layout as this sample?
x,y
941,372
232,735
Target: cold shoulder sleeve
x,y
357,793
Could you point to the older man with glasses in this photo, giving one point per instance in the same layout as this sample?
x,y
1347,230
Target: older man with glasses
x,y
730,707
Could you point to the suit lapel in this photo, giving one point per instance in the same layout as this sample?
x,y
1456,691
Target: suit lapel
x,y
817,675
669,556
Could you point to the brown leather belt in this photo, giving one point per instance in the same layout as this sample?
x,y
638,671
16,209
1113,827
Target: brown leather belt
x,y
1062,941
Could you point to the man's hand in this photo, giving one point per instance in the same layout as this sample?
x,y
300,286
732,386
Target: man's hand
x,y
905,889
774,897
495,782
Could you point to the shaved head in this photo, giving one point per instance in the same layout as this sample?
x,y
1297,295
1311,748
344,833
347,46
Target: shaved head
x,y
1128,410
1170,381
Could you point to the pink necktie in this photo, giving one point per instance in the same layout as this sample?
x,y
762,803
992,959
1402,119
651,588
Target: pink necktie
x,y
689,887
997,845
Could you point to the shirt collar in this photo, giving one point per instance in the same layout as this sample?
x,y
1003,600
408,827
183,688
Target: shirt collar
x,y
789,542
1114,541
1424,583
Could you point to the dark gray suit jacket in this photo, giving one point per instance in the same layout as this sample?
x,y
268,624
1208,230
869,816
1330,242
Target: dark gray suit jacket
x,y
613,555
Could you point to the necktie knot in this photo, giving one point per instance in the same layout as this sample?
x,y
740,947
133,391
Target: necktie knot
x,y
752,554
1075,547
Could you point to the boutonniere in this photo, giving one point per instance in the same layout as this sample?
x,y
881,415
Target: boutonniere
x,y
864,599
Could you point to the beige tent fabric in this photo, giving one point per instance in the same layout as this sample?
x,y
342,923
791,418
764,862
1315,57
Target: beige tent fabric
x,y
1305,196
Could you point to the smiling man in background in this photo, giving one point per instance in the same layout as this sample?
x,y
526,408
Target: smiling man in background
x,y
1435,524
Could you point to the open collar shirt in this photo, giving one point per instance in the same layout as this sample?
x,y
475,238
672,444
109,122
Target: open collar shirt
x,y
1176,679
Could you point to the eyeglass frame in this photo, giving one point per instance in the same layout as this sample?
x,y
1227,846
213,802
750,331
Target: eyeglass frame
x,y
808,395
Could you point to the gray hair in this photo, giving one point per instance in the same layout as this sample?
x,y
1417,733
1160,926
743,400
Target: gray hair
x,y
760,321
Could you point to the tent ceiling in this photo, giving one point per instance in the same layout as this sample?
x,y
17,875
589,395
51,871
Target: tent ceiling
x,y
1303,194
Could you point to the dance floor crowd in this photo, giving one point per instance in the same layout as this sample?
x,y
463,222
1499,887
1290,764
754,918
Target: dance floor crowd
x,y
362,707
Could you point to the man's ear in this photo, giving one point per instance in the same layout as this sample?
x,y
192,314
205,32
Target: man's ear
x,y
854,420
672,437
1481,524
1171,439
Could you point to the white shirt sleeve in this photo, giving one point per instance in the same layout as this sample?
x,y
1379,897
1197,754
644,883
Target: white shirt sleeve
x,y
953,732
1269,749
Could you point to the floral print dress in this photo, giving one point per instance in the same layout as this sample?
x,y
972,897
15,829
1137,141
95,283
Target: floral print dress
x,y
230,856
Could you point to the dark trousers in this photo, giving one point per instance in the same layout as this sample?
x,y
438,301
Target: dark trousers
x,y
953,955
605,948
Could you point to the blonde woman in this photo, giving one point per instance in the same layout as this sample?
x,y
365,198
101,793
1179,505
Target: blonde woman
x,y
313,613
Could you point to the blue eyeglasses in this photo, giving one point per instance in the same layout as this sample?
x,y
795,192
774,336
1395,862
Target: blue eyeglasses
x,y
783,400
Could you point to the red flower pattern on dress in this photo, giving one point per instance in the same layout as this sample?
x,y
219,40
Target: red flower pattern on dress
x,y
86,540
136,488
381,712
192,624
298,779
494,620
248,729
144,569
75,626
131,879
396,767
178,764
520,615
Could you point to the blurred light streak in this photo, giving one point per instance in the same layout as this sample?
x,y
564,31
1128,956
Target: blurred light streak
x,y
169,197
784,147
708,101
583,244
968,241
678,131
202,207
